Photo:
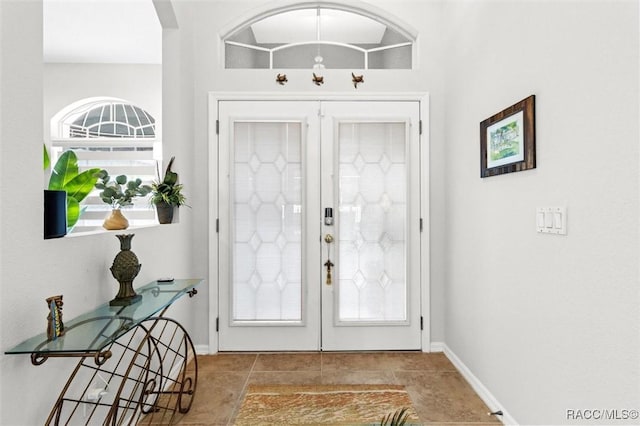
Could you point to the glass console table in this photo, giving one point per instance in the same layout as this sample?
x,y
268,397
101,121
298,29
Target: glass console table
x,y
135,366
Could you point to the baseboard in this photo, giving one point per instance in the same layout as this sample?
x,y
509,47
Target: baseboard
x,y
437,347
202,349
476,384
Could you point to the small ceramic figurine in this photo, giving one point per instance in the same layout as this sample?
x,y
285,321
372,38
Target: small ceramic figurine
x,y
317,79
55,326
357,79
281,79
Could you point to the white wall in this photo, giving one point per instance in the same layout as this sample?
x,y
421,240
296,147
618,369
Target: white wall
x,y
65,83
77,267
547,323
195,61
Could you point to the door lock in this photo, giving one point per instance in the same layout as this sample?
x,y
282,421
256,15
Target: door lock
x,y
328,216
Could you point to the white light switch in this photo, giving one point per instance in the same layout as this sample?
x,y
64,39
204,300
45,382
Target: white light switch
x,y
548,219
551,220
557,220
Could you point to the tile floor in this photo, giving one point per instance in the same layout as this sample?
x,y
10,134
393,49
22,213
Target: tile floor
x,y
439,392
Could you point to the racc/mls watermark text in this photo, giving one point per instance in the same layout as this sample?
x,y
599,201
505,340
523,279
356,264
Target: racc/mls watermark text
x,y
607,414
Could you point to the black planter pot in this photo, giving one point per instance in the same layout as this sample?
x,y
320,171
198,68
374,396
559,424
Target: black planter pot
x,y
165,212
55,214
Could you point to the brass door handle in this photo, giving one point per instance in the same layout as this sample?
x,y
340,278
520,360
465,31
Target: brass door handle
x,y
328,264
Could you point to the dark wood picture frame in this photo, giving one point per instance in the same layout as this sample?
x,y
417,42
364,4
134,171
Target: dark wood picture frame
x,y
508,140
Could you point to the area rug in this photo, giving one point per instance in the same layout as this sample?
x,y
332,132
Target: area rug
x,y
322,405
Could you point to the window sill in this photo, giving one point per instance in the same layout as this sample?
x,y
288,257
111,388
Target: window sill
x,y
101,230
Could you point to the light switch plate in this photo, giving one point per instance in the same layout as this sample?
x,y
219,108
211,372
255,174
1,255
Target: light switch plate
x,y
551,220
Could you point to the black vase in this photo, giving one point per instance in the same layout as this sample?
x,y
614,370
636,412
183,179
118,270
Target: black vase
x,y
165,212
55,214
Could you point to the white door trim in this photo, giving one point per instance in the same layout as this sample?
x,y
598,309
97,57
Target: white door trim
x,y
215,97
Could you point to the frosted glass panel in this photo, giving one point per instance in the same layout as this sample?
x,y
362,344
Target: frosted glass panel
x,y
372,223
267,219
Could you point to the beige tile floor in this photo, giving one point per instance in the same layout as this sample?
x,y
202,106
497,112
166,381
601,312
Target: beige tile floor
x,y
439,392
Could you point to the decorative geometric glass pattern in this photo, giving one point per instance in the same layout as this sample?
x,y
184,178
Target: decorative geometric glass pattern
x,y
372,223
267,217
110,120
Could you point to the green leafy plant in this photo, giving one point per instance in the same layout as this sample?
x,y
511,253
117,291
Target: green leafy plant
x,y
168,189
398,418
46,162
65,176
120,191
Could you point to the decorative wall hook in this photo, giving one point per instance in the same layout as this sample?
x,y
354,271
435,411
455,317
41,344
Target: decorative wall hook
x,y
317,79
357,79
281,79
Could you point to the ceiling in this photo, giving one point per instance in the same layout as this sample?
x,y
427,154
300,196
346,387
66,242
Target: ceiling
x,y
101,31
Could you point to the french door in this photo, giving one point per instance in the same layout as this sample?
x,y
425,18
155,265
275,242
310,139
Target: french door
x,y
319,215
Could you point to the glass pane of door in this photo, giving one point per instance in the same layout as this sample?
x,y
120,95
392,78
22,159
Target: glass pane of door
x,y
268,173
372,192
267,222
371,170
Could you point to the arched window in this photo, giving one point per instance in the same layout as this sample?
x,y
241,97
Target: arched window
x,y
111,134
333,37
109,119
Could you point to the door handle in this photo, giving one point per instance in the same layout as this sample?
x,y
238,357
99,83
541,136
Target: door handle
x,y
328,264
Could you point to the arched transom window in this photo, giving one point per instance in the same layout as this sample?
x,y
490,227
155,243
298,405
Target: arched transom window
x,y
109,120
321,37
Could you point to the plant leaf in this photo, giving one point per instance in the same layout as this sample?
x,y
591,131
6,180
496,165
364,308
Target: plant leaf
x,y
80,186
46,162
66,168
109,192
168,170
398,418
170,178
73,212
121,180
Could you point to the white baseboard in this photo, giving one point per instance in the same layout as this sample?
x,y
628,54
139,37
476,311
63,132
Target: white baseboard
x,y
202,349
437,347
478,387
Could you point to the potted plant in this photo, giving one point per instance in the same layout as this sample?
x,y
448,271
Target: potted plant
x,y
166,194
119,193
65,182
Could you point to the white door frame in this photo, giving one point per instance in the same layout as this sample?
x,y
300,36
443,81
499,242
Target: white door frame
x,y
215,97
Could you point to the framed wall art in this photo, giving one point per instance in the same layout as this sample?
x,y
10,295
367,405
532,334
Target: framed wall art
x,y
508,140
